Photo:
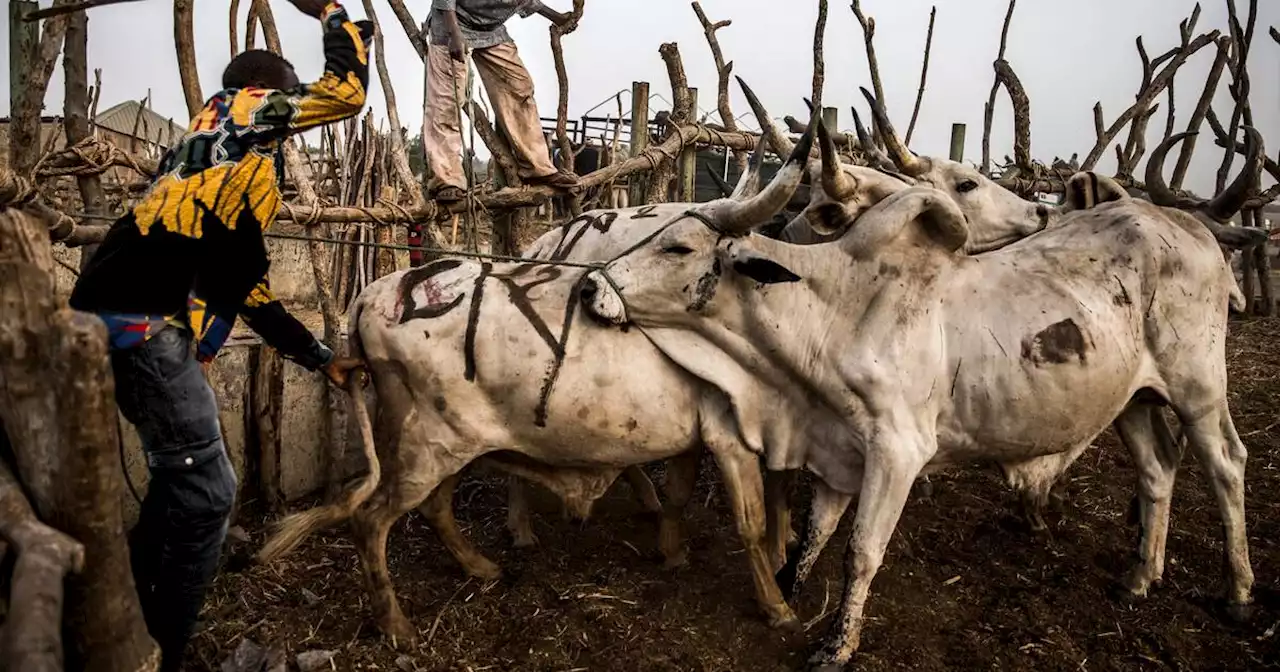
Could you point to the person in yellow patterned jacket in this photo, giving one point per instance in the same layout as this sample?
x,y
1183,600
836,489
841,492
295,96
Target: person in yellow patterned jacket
x,y
179,269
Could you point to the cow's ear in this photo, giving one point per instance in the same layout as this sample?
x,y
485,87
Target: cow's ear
x,y
763,270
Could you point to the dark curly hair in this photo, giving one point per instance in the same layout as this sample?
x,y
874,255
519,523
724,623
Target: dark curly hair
x,y
259,67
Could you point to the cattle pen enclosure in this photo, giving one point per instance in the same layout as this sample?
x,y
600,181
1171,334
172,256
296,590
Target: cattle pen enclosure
x,y
967,583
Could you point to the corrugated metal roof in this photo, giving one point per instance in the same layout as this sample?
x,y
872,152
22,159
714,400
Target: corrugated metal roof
x,y
121,118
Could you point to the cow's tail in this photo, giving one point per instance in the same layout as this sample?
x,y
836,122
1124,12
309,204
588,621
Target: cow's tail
x,y
295,528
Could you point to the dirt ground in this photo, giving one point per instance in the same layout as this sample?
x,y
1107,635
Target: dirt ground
x,y
964,585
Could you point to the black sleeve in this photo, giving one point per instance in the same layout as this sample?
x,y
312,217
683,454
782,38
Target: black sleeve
x,y
283,332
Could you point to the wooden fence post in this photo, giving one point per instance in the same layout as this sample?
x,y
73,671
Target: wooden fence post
x,y
639,134
957,142
831,119
24,100
689,157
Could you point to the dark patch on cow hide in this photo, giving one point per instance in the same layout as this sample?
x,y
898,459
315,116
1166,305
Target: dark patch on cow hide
x,y
632,425
1058,343
889,271
553,373
705,289
645,212
473,320
417,277
440,404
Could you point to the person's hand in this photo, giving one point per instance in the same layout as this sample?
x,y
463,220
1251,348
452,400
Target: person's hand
x,y
313,8
457,48
340,369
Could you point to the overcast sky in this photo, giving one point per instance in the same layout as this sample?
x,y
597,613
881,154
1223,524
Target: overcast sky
x,y
1069,55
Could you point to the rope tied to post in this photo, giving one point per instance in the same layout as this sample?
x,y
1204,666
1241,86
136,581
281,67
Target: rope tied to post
x,y
15,190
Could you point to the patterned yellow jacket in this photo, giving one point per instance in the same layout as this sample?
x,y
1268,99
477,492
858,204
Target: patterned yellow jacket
x,y
192,252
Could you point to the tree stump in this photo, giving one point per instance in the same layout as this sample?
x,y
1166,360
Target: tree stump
x,y
58,410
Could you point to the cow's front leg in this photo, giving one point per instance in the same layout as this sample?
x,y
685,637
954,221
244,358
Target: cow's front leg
x,y
891,467
824,517
438,510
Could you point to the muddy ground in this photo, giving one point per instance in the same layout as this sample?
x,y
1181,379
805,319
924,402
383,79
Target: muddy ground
x,y
965,585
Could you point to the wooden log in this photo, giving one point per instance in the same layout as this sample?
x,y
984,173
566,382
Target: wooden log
x,y
33,626
957,142
24,100
76,103
57,409
265,397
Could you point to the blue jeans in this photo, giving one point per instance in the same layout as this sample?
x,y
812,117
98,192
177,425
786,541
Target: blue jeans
x,y
176,545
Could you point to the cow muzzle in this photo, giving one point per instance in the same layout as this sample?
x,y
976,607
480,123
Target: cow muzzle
x,y
600,298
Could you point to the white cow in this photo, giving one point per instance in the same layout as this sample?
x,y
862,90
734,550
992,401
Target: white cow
x,y
495,361
1106,318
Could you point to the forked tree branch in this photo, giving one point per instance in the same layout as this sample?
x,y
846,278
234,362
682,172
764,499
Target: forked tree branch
x,y
924,75
868,35
723,72
1242,42
399,153
1158,83
562,77
989,111
411,29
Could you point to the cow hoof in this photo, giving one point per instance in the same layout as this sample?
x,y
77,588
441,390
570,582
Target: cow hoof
x,y
825,667
401,634
786,622
1240,613
484,570
1123,594
676,560
528,540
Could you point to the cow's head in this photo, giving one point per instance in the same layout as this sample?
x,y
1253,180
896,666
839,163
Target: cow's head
x,y
996,216
687,269
745,210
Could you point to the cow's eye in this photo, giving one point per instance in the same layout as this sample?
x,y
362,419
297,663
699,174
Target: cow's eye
x,y
966,186
677,249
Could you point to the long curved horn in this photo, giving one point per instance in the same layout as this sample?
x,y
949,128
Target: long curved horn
x,y
749,183
725,189
740,217
834,181
937,213
1157,188
1224,206
902,157
864,138
767,129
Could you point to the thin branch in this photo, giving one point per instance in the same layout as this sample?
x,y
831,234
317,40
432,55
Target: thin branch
x,y
819,67
399,154
681,113
558,32
411,28
1006,77
989,111
1203,106
868,35
924,74
1099,125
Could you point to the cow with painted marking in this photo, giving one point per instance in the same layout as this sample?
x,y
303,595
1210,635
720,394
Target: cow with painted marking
x,y
497,362
1105,319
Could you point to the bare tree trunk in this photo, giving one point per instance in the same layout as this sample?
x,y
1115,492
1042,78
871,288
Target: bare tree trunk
x,y
56,407
183,18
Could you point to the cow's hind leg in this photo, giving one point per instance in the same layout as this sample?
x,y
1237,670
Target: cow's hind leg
x,y
1221,453
777,502
519,515
401,490
438,510
1155,456
824,517
682,474
1034,479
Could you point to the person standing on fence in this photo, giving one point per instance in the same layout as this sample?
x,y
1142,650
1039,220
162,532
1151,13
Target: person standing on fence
x,y
453,27
178,270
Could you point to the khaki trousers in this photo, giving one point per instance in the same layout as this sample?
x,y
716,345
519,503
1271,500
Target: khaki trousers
x,y
510,92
